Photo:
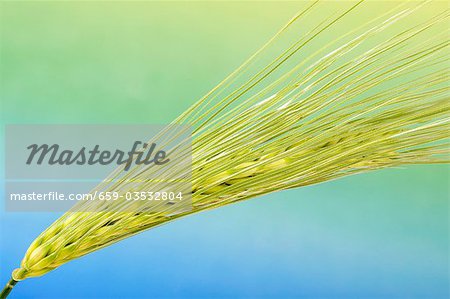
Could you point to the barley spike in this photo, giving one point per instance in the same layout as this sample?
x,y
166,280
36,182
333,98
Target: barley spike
x,y
374,96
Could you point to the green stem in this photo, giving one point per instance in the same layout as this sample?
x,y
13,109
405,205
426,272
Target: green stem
x,y
7,289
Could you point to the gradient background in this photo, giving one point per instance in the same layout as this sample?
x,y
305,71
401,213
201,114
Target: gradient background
x,y
377,235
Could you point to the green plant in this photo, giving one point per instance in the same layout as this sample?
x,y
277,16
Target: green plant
x,y
376,96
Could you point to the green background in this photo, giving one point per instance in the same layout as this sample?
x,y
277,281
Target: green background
x,y
382,234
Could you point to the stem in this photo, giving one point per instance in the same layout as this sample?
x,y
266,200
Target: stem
x,y
7,289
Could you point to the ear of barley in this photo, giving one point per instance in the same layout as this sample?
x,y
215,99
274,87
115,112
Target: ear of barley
x,y
375,96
